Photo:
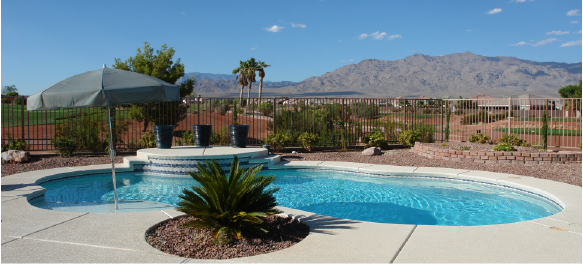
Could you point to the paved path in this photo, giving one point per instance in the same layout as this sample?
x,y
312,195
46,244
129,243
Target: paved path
x,y
31,234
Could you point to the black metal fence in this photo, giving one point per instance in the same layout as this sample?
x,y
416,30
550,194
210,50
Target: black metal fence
x,y
336,121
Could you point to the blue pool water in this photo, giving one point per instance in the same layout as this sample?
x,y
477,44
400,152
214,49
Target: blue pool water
x,y
364,197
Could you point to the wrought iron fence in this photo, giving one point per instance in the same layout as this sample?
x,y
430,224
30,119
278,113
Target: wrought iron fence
x,y
337,121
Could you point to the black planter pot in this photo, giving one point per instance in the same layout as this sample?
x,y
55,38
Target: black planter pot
x,y
202,135
163,136
239,135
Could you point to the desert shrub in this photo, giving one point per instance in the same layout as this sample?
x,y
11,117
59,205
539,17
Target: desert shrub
x,y
222,138
427,111
375,138
308,140
365,110
504,147
278,141
443,145
513,140
266,108
230,205
458,112
408,137
464,148
17,144
133,145
187,138
484,117
436,111
65,146
544,130
479,138
221,109
147,140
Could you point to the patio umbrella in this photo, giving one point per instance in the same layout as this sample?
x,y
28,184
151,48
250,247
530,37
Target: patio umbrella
x,y
100,88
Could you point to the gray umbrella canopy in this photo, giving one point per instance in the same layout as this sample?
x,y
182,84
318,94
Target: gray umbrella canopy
x,y
103,86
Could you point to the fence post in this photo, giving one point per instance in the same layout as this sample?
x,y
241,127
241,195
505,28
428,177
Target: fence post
x,y
509,109
22,117
198,110
274,108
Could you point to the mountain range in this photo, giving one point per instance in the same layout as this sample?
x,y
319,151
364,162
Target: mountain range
x,y
459,74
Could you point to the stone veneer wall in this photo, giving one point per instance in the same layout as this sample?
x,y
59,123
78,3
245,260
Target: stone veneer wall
x,y
494,156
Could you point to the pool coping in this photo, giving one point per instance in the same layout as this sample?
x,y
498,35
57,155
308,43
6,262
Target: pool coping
x,y
97,237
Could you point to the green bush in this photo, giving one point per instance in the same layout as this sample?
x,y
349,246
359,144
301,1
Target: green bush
x,y
308,140
278,141
266,108
223,138
544,130
504,147
447,118
188,138
365,110
375,139
17,144
232,205
513,140
458,112
427,111
148,140
408,137
479,138
66,146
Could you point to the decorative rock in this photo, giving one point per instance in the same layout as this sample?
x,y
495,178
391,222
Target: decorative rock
x,y
294,152
18,156
372,151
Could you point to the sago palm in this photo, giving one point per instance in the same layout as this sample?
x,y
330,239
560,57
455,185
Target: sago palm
x,y
228,205
261,66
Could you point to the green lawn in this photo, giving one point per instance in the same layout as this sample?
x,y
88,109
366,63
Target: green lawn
x,y
536,131
12,115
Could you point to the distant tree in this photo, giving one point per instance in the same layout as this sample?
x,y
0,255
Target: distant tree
x,y
242,78
571,91
10,89
161,66
252,67
261,66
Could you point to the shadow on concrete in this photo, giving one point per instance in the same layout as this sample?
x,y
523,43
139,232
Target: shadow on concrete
x,y
325,224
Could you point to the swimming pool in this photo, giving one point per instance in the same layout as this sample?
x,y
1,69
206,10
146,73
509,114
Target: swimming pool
x,y
398,199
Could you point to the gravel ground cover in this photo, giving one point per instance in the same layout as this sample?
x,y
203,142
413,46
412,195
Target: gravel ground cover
x,y
172,238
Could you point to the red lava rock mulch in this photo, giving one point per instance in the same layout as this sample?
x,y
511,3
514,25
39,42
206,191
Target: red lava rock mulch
x,y
171,237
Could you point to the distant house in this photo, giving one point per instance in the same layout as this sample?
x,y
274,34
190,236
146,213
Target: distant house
x,y
521,102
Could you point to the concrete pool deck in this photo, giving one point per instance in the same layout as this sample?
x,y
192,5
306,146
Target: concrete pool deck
x,y
31,234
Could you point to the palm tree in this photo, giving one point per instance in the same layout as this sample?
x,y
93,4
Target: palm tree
x,y
252,66
229,204
261,65
242,78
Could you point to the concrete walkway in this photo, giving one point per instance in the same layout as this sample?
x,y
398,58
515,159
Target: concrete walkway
x,y
31,234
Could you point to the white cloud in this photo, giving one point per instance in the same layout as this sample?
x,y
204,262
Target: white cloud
x,y
299,25
543,42
571,43
574,22
579,31
378,35
274,28
519,44
182,13
494,11
362,36
535,44
557,32
574,12
394,37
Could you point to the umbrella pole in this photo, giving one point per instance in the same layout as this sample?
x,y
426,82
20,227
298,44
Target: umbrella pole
x,y
112,155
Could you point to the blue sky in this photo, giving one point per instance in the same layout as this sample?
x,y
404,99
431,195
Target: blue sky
x,y
46,41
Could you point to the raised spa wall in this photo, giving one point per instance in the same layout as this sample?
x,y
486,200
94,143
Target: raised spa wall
x,y
494,156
